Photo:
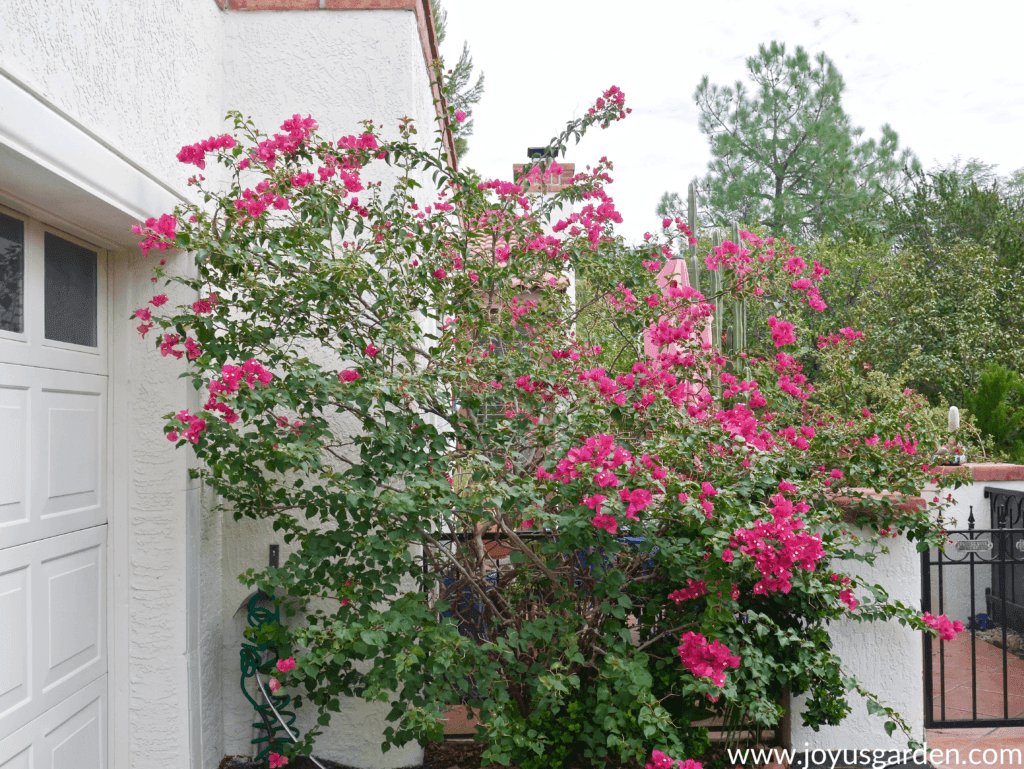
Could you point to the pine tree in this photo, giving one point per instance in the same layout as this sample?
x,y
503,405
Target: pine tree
x,y
786,155
456,85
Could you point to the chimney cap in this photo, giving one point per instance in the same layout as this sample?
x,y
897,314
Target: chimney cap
x,y
537,153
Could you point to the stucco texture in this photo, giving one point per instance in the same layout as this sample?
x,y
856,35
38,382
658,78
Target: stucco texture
x,y
367,65
144,77
885,656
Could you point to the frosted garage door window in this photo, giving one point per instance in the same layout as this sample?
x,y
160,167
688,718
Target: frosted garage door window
x,y
70,294
12,275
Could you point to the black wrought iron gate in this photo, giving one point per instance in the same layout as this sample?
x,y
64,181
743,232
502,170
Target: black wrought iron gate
x,y
978,579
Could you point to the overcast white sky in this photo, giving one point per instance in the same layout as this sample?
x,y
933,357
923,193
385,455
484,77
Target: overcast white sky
x,y
948,77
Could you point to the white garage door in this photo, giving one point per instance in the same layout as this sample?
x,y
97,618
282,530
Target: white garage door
x,y
53,499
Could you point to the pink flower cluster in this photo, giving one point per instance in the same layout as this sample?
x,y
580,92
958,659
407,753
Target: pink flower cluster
x,y
778,545
365,141
297,131
706,660
231,379
660,761
791,380
600,453
947,630
196,153
283,666
276,760
591,219
254,203
168,346
908,446
794,266
847,333
691,591
782,332
613,97
159,233
195,426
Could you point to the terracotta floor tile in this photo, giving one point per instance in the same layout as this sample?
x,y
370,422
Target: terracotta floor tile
x,y
993,681
953,714
989,704
1009,731
967,734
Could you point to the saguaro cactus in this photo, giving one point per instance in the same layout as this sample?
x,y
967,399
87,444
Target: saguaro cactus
x,y
736,332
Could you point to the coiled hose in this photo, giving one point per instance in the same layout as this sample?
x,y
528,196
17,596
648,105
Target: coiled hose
x,y
276,722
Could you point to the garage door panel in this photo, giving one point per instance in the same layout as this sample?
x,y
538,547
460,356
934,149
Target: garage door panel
x,y
14,633
72,735
73,601
53,481
14,404
56,588
72,464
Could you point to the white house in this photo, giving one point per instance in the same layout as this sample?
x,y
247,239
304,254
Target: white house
x,y
118,586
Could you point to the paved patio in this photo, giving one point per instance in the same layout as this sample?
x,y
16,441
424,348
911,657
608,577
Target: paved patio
x,y
990,702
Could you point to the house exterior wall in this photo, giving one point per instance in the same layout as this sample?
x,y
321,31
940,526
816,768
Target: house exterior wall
x,y
95,99
368,65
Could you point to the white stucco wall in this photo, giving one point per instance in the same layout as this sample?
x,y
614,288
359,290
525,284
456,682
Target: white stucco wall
x,y
885,657
143,77
367,64
888,658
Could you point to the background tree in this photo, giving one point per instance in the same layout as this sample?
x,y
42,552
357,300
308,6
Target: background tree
x,y
959,201
785,155
456,87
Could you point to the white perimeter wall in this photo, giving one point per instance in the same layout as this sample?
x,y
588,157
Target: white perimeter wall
x,y
885,656
115,88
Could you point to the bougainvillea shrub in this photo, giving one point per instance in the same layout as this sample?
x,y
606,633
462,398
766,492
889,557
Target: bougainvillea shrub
x,y
590,546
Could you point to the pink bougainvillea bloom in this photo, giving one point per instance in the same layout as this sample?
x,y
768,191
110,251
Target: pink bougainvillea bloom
x,y
167,346
371,350
277,760
661,761
727,555
460,116
440,274
193,349
349,375
285,665
706,660
528,523
606,522
345,601
274,684
158,300
782,332
947,630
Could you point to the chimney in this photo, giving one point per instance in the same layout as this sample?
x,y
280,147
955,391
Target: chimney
x,y
554,182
